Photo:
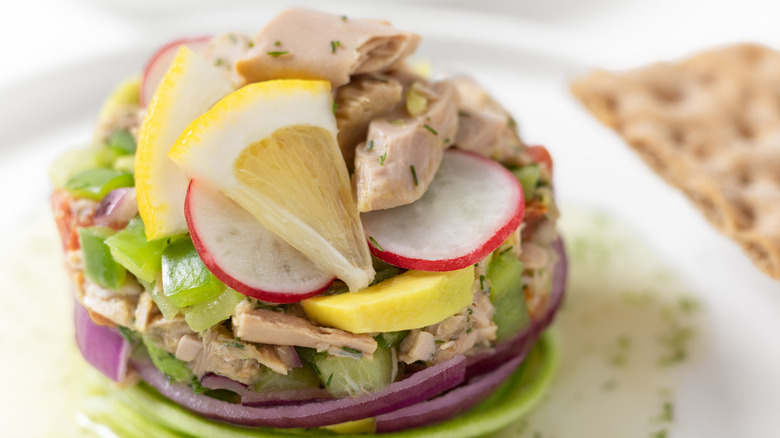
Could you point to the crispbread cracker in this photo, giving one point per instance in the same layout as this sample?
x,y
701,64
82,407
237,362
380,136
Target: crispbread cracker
x,y
709,125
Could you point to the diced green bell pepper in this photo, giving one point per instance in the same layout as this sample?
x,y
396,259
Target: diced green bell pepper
x,y
99,266
505,273
130,248
96,183
122,142
186,280
529,178
203,316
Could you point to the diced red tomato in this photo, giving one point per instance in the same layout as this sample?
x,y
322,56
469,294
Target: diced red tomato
x,y
539,155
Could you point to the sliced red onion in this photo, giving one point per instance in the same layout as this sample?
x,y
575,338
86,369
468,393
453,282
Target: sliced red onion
x,y
450,404
117,208
103,347
266,398
522,342
417,388
215,381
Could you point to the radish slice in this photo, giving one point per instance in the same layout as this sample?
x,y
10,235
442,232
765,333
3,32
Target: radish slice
x,y
470,209
160,62
244,254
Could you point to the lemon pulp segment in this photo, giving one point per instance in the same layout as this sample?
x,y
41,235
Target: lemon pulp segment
x,y
411,300
189,88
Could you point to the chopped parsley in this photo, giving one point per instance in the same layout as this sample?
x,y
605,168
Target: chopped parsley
x,y
334,45
236,344
335,107
397,122
382,159
329,379
433,131
414,174
279,53
370,145
438,341
278,43
371,238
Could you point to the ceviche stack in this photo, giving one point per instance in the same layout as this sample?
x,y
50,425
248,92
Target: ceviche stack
x,y
301,230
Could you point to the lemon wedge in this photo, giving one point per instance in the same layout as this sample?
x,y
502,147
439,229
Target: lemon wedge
x,y
411,300
189,88
271,147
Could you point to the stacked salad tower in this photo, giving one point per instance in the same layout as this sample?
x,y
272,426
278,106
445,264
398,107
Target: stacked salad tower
x,y
300,232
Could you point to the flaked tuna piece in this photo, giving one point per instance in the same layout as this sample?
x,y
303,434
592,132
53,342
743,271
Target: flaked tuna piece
x,y
403,152
144,311
418,345
484,126
166,333
225,50
117,307
461,332
189,348
306,44
241,361
359,102
276,328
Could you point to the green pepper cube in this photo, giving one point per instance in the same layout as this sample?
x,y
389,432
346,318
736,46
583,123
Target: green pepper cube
x,y
203,316
99,266
96,183
130,249
122,142
186,280
505,273
529,178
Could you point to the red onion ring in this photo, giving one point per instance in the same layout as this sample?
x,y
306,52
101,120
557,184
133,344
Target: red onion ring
x,y
417,388
253,398
103,347
450,404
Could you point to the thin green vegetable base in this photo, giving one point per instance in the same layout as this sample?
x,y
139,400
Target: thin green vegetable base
x,y
142,411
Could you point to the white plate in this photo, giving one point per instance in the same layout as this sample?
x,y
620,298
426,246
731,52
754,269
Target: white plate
x,y
730,387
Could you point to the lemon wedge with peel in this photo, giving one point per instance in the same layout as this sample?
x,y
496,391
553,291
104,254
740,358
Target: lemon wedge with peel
x,y
189,88
271,147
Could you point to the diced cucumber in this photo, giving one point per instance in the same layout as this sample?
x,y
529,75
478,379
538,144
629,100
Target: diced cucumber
x,y
130,248
186,280
122,142
296,378
202,316
99,266
346,376
505,273
96,183
529,178
167,308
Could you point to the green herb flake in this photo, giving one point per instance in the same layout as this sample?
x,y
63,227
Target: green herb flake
x,y
447,140
343,18
661,434
329,379
335,107
316,369
251,44
352,350
334,45
382,159
371,238
414,174
482,282
438,341
370,145
433,131
397,122
505,250
236,344
219,62
278,43
468,330
277,54
511,122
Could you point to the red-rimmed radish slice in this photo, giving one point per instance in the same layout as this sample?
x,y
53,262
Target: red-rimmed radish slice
x,y
159,63
470,209
244,254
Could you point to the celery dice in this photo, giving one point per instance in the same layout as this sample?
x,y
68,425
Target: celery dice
x,y
99,266
96,183
203,316
505,273
130,248
186,280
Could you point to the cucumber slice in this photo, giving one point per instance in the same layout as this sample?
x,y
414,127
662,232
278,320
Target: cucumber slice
x,y
505,273
348,376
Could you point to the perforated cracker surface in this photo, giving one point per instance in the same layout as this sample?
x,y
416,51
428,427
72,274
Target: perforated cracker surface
x,y
709,125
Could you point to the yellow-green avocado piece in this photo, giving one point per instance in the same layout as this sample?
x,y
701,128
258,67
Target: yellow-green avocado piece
x,y
411,300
